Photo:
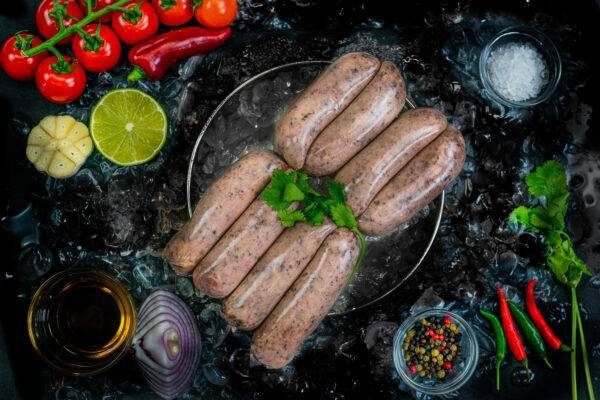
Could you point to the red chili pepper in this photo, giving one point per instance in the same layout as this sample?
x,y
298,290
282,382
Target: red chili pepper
x,y
447,365
152,58
515,344
431,333
539,321
447,320
413,369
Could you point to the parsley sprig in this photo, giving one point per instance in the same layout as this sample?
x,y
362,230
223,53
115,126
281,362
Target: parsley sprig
x,y
548,184
295,200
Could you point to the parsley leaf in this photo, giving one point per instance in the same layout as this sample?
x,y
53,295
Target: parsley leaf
x,y
342,216
336,191
304,185
548,180
292,193
535,219
289,218
274,194
314,214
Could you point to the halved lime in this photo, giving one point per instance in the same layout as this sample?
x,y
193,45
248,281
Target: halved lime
x,y
128,126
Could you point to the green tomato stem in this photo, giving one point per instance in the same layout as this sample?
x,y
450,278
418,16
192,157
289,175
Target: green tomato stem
x,y
65,32
573,344
586,363
57,53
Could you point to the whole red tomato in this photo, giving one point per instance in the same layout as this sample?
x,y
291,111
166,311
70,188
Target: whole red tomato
x,y
99,51
14,63
98,5
216,13
60,82
47,23
137,23
173,12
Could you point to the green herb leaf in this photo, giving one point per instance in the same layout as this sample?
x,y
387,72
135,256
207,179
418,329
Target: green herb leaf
x,y
520,215
292,193
304,185
336,191
274,194
274,198
548,180
535,219
314,214
289,218
342,215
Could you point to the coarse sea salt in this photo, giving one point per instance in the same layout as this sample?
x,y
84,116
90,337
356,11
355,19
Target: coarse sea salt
x,y
517,71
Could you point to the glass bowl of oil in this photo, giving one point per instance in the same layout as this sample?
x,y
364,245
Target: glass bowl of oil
x,y
81,322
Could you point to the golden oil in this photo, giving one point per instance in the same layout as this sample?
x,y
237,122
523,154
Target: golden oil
x,y
81,322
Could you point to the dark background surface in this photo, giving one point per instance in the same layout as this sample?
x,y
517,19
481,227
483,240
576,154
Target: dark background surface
x,y
433,43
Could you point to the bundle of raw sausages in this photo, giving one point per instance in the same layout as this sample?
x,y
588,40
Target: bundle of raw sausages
x,y
283,283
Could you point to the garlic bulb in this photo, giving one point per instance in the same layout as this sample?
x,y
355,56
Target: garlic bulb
x,y
59,145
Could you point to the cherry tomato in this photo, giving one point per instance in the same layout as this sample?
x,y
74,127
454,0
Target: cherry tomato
x,y
100,51
14,63
173,12
58,82
46,22
136,24
216,13
98,5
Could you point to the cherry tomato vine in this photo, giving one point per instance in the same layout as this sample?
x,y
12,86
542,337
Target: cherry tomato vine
x,y
60,14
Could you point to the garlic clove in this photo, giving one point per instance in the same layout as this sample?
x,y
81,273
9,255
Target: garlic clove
x,y
38,136
34,152
72,153
61,166
85,146
48,124
64,125
43,160
78,132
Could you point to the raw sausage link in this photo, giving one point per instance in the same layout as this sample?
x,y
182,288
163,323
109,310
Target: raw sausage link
x,y
267,282
424,178
307,302
368,172
374,109
320,103
224,201
238,250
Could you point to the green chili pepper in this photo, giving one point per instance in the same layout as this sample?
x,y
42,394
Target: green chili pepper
x,y
531,333
500,341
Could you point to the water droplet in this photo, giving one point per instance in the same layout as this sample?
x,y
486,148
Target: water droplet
x,y
522,376
576,181
590,201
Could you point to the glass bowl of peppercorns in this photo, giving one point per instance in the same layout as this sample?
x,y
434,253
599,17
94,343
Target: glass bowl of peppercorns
x,y
435,352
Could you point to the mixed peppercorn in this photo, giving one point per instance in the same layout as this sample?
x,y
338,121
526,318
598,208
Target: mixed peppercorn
x,y
432,347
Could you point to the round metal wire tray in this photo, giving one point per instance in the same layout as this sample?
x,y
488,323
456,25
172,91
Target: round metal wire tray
x,y
246,120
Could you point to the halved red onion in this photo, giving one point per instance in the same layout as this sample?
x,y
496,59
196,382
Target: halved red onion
x,y
167,344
